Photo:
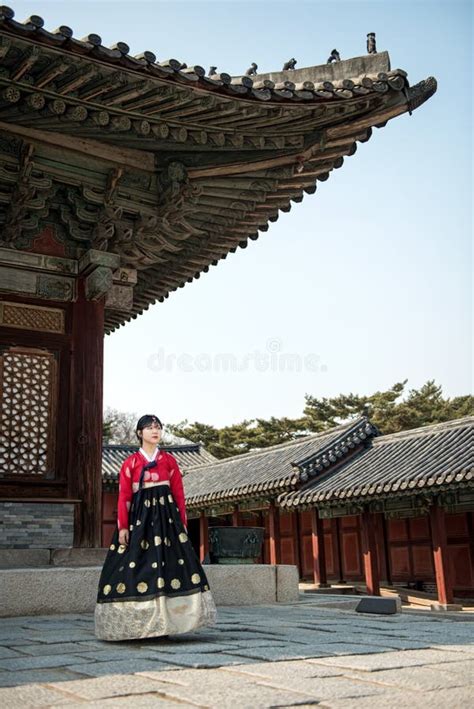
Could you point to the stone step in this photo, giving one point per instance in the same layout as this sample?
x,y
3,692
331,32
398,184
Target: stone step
x,y
59,589
337,589
30,558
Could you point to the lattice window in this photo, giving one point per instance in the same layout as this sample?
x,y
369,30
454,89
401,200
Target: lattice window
x,y
31,317
28,394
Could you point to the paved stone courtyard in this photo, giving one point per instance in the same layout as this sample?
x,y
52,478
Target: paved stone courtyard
x,y
301,654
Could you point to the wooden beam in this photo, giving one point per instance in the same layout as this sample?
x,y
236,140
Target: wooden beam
x,y
94,149
369,553
203,536
372,119
274,530
300,156
85,418
319,551
444,581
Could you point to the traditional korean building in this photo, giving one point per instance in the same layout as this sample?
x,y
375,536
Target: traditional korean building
x,y
122,179
351,505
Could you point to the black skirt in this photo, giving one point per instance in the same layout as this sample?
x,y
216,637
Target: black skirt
x,y
155,585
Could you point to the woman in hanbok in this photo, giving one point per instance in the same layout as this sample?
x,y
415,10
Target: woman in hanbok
x,y
152,582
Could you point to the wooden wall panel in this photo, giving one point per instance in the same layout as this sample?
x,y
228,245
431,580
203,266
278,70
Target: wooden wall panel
x,y
307,557
400,563
305,521
461,565
397,530
329,548
456,525
108,530
419,528
287,551
422,562
351,555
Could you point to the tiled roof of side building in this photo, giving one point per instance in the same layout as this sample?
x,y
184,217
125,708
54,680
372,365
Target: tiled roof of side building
x,y
272,469
187,455
440,456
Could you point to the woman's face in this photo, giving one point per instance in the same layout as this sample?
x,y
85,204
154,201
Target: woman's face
x,y
151,433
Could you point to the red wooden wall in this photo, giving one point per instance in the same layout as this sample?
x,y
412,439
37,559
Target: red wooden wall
x,y
109,516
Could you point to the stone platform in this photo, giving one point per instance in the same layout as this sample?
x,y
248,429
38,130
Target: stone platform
x,y
59,589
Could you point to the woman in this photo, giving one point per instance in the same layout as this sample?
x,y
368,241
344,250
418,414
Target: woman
x,y
152,582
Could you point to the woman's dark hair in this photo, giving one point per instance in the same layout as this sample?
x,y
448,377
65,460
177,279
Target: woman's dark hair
x,y
144,421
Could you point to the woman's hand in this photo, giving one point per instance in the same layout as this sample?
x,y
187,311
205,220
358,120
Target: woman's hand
x,y
124,536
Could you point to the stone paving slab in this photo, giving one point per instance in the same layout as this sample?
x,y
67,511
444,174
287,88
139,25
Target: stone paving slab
x,y
216,689
35,678
143,701
265,656
454,698
107,687
53,649
33,695
375,662
424,679
290,670
36,663
99,669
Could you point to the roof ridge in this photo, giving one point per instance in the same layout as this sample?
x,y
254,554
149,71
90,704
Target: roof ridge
x,y
424,430
285,444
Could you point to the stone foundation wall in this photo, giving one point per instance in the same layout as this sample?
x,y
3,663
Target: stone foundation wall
x,y
36,525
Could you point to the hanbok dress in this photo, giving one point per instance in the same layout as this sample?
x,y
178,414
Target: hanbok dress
x,y
155,585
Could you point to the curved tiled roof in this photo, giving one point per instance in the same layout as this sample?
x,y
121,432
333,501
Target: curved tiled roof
x,y
186,455
420,460
178,168
271,470
259,89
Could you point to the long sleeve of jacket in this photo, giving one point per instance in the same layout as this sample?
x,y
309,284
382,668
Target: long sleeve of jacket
x,y
125,495
177,490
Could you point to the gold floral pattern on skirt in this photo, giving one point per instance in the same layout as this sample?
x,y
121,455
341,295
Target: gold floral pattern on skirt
x,y
155,584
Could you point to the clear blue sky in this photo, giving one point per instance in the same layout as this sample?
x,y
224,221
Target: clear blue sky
x,y
372,274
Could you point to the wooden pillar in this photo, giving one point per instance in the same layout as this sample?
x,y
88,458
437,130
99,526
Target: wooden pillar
x,y
274,529
386,549
261,523
297,541
337,537
444,582
203,536
236,517
319,551
85,417
369,553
